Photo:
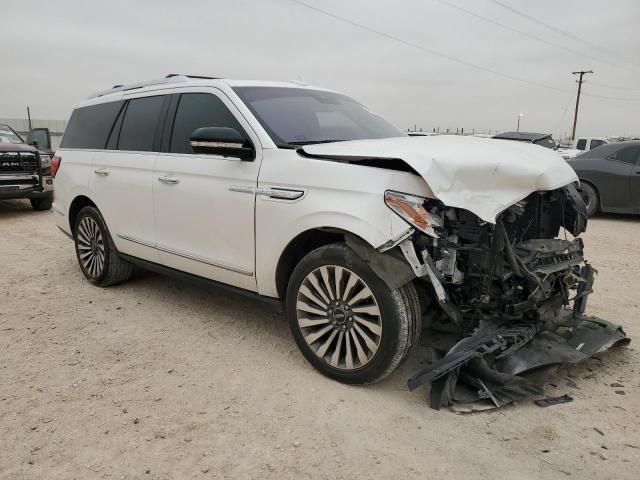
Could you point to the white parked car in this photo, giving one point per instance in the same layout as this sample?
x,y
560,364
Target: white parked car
x,y
581,145
302,194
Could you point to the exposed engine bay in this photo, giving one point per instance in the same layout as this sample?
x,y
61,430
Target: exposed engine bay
x,y
511,298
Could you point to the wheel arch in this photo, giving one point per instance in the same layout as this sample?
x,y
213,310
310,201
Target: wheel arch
x,y
78,203
302,244
593,185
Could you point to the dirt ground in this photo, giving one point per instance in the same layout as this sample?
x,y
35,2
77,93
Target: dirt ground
x,y
158,379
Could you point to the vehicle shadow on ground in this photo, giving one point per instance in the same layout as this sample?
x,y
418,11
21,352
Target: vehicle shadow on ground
x,y
616,217
16,208
265,321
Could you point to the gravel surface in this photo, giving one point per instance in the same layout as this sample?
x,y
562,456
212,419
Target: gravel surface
x,y
159,379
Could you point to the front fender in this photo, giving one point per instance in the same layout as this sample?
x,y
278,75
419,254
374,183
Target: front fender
x,y
383,226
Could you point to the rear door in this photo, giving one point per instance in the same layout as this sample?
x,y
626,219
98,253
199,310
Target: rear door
x,y
615,179
121,181
205,204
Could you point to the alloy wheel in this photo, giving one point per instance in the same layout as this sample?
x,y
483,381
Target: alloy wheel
x,y
339,317
90,246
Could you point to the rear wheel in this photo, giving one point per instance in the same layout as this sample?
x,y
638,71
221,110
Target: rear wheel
x,y
96,252
346,321
591,198
41,204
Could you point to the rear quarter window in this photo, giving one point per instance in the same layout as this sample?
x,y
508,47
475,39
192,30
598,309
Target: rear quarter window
x,y
627,155
89,127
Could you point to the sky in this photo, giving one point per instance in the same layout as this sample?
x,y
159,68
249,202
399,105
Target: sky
x,y
415,62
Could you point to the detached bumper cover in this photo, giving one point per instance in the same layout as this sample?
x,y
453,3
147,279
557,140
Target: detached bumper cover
x,y
503,363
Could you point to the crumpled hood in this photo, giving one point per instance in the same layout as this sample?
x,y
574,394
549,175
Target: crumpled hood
x,y
484,176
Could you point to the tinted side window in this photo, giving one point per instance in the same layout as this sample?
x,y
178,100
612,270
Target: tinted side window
x,y
596,143
582,144
546,142
139,124
89,127
628,155
196,110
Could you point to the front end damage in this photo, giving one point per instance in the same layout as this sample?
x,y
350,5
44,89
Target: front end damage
x,y
502,300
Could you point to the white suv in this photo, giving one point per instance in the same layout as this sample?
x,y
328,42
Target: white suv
x,y
304,195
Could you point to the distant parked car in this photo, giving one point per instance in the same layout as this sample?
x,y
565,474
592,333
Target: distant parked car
x,y
610,177
543,139
583,144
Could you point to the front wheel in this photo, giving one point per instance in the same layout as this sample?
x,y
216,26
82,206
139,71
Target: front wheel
x,y
346,321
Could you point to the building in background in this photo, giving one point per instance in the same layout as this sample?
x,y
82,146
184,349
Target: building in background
x,y
21,125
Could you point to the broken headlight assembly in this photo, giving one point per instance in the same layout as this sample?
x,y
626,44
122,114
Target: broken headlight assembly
x,y
412,210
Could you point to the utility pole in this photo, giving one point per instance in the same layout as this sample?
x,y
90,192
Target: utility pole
x,y
29,117
575,116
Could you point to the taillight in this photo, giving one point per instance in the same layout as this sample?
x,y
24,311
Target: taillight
x,y
55,165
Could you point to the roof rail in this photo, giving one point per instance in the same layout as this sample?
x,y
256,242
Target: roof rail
x,y
171,78
197,77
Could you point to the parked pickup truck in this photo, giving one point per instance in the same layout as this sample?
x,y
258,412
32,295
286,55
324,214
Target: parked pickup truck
x,y
581,145
25,171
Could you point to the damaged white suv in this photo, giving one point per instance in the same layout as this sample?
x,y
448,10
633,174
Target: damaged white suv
x,y
302,194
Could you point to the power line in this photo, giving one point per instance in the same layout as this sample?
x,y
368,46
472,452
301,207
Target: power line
x,y
558,30
445,56
559,125
613,86
425,49
528,35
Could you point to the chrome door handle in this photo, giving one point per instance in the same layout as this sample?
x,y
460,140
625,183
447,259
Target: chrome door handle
x,y
168,179
102,171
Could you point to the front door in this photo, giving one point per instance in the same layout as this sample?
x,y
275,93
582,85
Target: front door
x,y
205,204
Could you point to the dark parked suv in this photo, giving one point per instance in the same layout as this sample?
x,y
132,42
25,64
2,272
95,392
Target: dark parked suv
x,y
542,139
25,172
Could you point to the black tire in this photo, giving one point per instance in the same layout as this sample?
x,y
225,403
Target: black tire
x,y
591,198
399,316
41,204
114,270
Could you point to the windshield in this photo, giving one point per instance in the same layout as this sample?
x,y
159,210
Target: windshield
x,y
8,136
301,116
546,142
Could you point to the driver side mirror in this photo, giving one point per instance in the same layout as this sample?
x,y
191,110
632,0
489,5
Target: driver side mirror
x,y
224,141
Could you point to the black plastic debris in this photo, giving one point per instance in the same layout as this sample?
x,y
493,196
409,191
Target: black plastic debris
x,y
501,363
549,401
